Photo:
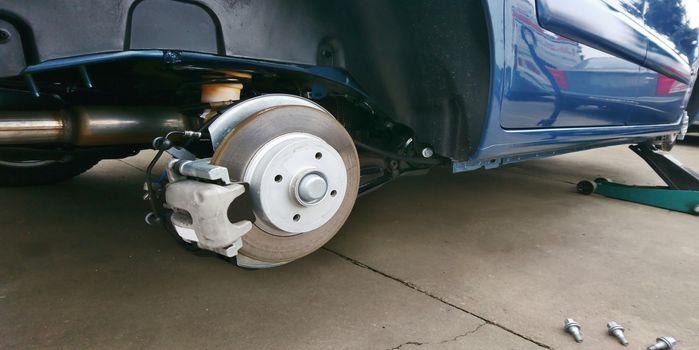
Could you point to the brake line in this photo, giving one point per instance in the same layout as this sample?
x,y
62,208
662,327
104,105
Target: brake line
x,y
391,155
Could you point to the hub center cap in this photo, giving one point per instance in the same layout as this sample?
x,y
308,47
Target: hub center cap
x,y
312,188
297,182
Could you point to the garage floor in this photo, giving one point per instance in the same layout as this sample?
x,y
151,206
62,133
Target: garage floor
x,y
480,260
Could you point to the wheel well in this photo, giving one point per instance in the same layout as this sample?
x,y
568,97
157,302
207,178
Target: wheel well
x,y
427,67
422,65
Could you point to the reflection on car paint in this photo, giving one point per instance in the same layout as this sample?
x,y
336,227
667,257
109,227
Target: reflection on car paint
x,y
583,86
549,84
519,124
671,23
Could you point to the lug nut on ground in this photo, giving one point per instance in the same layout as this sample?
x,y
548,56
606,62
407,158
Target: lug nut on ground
x,y
573,328
663,343
617,331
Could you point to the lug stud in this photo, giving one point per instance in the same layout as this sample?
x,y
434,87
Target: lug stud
x,y
663,343
617,331
573,328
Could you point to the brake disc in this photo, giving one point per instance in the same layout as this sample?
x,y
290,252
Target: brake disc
x,y
303,172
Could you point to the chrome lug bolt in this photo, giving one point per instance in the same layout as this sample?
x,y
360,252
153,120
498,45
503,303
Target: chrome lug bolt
x,y
573,328
663,343
617,331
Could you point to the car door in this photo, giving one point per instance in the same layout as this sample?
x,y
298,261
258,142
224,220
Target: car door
x,y
675,24
661,99
556,82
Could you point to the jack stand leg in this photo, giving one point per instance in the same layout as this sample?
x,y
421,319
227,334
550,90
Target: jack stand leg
x,y
671,170
682,193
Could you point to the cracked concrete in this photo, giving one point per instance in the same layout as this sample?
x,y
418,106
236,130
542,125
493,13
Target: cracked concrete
x,y
485,337
454,339
435,297
483,260
516,246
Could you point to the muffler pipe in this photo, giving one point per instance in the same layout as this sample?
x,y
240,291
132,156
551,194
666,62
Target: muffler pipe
x,y
90,126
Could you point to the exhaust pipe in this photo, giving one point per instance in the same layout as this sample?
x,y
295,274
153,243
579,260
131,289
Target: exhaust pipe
x,y
90,126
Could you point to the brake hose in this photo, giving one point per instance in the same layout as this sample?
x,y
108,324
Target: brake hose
x,y
162,144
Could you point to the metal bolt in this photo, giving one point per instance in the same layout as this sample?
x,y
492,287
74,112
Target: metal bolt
x,y
427,152
617,331
663,343
172,57
573,328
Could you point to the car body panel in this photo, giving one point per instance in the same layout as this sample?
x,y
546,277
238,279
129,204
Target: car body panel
x,y
509,136
592,21
557,76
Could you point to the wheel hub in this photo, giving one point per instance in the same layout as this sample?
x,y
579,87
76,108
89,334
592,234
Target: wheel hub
x,y
311,189
297,182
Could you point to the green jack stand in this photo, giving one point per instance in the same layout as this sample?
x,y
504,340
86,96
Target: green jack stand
x,y
681,193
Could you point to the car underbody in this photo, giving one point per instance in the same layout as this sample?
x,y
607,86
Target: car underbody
x,y
206,83
277,115
338,54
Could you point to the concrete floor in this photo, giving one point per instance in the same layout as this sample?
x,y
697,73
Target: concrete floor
x,y
482,260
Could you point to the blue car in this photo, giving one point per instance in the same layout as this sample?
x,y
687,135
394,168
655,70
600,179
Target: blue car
x,y
278,113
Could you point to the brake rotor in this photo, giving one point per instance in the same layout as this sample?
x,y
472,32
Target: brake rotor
x,y
303,172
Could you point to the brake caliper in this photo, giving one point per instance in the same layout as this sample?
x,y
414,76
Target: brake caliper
x,y
200,196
